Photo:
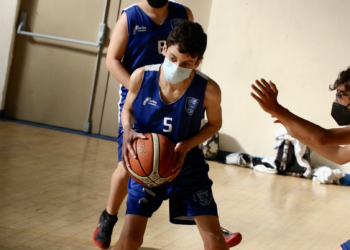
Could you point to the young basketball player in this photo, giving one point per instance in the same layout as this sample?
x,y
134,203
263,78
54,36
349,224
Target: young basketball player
x,y
137,40
325,142
179,97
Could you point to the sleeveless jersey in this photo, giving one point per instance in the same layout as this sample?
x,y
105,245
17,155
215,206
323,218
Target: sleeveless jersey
x,y
146,39
178,121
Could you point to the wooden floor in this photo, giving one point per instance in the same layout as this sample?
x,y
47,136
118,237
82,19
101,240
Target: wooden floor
x,y
54,185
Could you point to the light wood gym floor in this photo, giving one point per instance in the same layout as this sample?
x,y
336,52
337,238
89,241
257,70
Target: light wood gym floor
x,y
54,185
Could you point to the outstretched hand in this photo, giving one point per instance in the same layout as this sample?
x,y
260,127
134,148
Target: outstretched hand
x,y
266,95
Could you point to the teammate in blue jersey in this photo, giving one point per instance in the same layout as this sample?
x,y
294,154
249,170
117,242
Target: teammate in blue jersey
x,y
171,99
137,40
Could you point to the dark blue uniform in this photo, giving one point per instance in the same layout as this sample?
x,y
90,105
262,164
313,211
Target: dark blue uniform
x,y
346,245
190,192
145,42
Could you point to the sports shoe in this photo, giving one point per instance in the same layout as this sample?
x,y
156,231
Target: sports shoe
x,y
232,239
103,232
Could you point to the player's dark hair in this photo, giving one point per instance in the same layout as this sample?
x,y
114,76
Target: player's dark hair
x,y
189,37
343,78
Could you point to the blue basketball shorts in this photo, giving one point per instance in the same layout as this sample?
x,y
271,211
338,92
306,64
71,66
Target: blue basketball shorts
x,y
120,144
189,195
346,245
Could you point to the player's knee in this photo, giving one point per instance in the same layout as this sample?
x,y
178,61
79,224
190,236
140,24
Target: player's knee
x,y
120,173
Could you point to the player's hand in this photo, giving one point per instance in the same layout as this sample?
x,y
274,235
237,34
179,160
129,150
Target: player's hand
x,y
266,95
128,138
181,149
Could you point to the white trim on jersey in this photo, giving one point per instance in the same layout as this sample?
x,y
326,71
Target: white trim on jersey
x,y
153,67
200,73
129,7
120,100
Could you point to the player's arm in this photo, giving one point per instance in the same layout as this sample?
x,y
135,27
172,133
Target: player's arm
x,y
212,105
189,14
128,116
116,50
312,135
337,154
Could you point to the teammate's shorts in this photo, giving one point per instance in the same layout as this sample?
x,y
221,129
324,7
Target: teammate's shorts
x,y
120,144
346,245
189,195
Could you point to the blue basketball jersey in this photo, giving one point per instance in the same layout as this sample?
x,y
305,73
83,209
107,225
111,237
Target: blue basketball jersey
x,y
146,38
178,121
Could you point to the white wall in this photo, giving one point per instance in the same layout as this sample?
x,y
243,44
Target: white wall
x,y
8,18
300,45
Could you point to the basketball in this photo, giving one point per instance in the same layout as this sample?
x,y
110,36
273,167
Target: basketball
x,y
155,160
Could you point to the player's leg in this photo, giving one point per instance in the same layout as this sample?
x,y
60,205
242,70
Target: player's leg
x,y
193,197
131,236
209,228
118,190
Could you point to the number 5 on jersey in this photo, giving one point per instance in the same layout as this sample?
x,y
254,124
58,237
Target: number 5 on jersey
x,y
167,124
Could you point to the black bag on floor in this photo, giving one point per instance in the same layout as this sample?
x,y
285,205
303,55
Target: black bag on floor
x,y
287,163
211,147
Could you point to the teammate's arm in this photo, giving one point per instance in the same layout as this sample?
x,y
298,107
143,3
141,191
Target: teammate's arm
x,y
116,50
189,14
128,116
212,105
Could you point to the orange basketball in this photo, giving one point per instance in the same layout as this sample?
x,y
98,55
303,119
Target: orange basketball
x,y
155,160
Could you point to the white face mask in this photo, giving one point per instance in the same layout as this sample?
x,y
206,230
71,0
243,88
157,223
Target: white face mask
x,y
175,74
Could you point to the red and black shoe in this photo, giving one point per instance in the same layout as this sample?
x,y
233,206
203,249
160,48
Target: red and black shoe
x,y
232,239
103,232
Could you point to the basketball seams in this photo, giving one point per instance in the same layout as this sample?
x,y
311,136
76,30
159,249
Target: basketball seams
x,y
154,157
138,159
156,154
141,178
172,158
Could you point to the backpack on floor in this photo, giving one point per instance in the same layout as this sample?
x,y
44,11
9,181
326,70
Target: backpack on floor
x,y
211,146
287,163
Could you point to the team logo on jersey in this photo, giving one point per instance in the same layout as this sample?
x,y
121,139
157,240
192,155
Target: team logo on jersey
x,y
175,22
139,29
191,105
203,197
149,101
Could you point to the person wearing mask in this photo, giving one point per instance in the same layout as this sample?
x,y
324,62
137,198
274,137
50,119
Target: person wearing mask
x,y
328,143
137,40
